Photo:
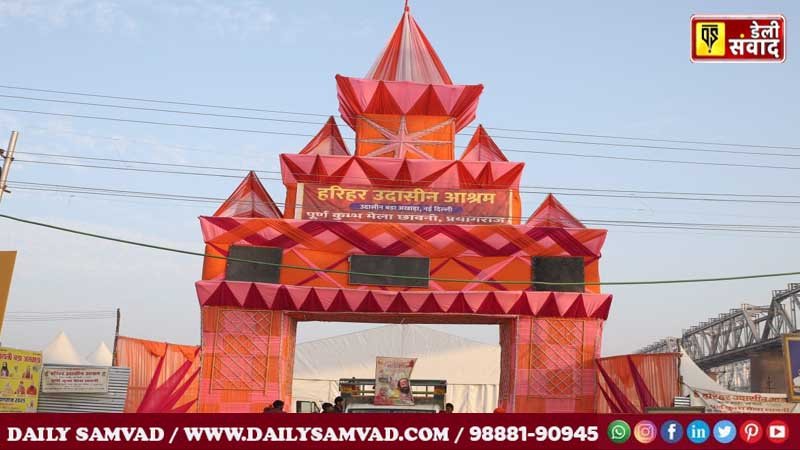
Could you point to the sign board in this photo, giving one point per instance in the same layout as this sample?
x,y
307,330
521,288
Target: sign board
x,y
407,205
78,379
393,381
19,380
741,402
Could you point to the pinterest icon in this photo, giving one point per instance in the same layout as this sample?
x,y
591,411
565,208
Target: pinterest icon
x,y
751,431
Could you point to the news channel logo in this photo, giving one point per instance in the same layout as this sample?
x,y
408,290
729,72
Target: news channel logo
x,y
645,431
724,431
697,432
619,432
671,431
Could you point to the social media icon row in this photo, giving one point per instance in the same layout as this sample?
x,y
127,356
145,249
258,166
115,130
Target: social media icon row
x,y
698,431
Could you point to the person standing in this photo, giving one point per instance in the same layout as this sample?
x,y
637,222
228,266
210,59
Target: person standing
x,y
338,405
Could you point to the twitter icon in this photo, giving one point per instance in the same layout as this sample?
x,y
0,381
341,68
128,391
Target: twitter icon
x,y
724,431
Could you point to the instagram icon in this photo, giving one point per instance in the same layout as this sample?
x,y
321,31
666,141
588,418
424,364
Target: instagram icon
x,y
645,432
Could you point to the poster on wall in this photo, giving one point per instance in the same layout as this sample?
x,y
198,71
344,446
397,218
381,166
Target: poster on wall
x,y
19,380
87,380
408,205
393,381
791,356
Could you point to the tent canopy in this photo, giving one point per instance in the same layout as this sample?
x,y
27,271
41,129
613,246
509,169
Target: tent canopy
x,y
472,369
60,351
439,355
101,356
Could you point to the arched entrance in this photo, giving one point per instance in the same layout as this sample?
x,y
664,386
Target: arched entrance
x,y
400,231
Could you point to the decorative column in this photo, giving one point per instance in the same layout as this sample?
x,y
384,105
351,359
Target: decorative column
x,y
248,358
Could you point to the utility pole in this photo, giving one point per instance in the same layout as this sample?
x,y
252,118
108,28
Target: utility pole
x,y
8,158
116,338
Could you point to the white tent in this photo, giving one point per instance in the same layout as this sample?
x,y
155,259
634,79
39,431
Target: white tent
x,y
706,392
60,351
101,356
472,369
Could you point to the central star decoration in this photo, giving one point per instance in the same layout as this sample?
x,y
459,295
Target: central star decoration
x,y
400,143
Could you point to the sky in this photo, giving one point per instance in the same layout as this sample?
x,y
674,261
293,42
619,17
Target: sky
x,y
615,68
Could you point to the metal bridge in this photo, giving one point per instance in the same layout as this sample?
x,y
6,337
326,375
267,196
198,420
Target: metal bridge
x,y
738,333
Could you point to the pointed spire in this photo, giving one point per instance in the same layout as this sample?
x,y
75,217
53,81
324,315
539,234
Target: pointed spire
x,y
482,148
327,142
551,213
250,199
409,56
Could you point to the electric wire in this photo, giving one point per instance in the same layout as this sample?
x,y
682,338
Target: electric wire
x,y
406,277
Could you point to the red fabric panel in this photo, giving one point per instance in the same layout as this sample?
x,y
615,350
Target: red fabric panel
x,y
142,357
645,380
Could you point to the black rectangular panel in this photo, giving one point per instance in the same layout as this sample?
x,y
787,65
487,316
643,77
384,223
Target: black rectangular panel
x,y
558,269
261,273
389,265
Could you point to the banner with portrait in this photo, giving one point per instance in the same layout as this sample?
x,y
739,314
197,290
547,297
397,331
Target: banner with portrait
x,y
791,357
393,381
19,380
407,205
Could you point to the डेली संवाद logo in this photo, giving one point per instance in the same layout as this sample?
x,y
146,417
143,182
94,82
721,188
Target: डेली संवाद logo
x,y
619,431
738,38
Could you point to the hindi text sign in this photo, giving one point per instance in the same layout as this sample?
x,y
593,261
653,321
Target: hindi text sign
x,y
86,380
408,205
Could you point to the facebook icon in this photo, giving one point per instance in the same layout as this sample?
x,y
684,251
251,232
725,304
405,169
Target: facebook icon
x,y
671,431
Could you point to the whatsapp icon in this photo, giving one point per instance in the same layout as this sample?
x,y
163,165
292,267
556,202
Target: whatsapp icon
x,y
619,431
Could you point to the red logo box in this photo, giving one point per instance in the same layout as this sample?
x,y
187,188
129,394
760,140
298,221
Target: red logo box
x,y
754,38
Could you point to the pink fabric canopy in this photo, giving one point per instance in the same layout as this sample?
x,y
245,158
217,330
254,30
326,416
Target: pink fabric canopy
x,y
482,148
316,299
409,56
359,96
327,142
367,171
551,213
250,199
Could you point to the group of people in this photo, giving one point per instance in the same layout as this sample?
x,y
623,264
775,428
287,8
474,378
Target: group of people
x,y
338,407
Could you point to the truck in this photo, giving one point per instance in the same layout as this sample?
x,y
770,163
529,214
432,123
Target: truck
x,y
359,396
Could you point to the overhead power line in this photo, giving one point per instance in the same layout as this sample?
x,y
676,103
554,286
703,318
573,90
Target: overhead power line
x,y
535,152
754,198
407,277
350,178
292,121
517,130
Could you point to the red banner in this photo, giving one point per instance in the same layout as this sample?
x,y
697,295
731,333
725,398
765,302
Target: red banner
x,y
750,38
418,205
400,431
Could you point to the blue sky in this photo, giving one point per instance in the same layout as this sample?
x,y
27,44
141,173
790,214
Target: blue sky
x,y
619,68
